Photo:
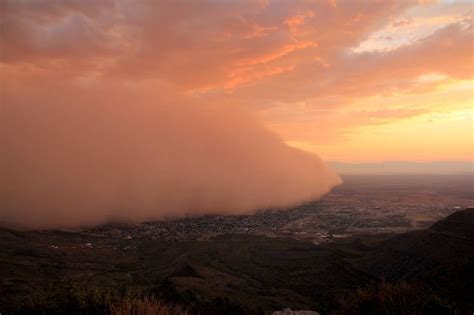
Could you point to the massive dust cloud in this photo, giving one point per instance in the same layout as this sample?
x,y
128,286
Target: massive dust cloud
x,y
124,110
69,161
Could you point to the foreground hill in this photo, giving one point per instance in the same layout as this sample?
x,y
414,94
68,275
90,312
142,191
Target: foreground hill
x,y
440,257
242,274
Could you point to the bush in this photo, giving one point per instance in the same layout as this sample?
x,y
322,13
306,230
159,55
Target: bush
x,y
79,298
394,298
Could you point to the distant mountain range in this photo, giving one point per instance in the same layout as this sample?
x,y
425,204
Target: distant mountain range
x,y
423,272
402,167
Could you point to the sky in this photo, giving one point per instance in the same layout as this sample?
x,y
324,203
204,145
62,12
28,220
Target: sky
x,y
351,81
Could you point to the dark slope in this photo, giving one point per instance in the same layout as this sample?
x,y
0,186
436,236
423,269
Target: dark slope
x,y
441,256
240,273
448,242
245,273
458,225
259,272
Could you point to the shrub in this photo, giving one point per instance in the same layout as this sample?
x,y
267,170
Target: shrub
x,y
79,298
394,298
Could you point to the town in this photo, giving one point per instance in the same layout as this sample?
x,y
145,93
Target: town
x,y
361,206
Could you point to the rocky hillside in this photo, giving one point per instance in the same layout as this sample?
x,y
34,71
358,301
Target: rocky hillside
x,y
241,274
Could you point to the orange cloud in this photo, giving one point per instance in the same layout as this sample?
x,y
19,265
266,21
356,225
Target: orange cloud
x,y
295,62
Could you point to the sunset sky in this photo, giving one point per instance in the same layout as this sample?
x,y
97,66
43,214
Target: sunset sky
x,y
352,81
